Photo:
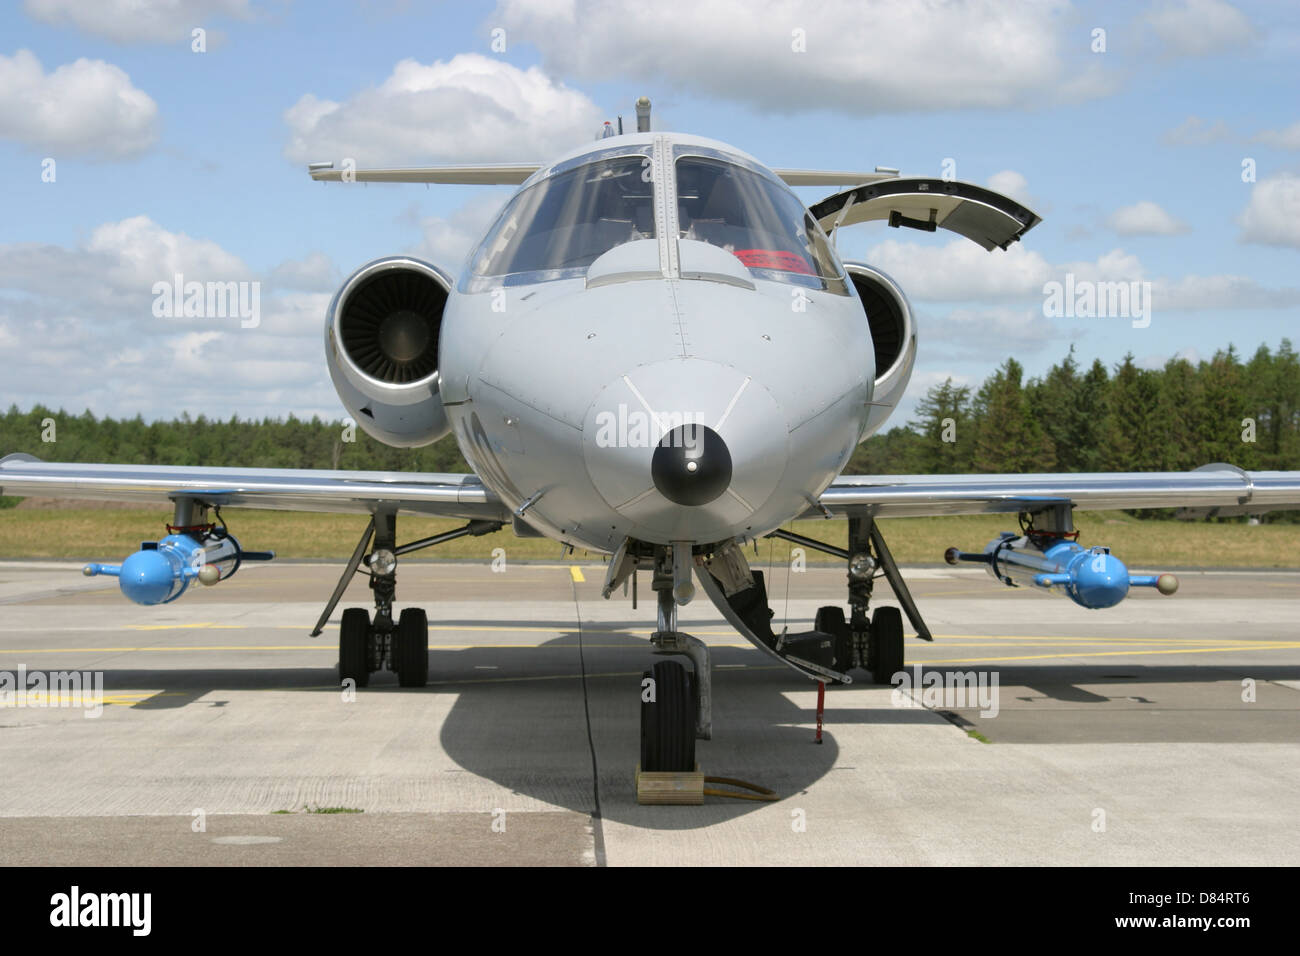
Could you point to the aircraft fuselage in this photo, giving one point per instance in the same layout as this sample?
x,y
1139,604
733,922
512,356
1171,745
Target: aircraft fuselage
x,y
561,386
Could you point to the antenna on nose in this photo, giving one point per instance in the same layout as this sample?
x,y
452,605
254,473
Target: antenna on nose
x,y
643,114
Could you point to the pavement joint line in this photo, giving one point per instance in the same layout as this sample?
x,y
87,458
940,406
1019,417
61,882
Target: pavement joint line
x,y
1130,647
1126,653
541,677
322,647
597,818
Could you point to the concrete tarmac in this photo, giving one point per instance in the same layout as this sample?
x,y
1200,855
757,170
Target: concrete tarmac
x,y
1164,731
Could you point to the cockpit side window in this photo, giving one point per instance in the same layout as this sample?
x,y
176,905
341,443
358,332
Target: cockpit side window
x,y
761,223
567,221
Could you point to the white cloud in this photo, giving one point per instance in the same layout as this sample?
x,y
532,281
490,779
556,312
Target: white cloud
x,y
1272,216
471,108
87,107
963,272
116,266
131,21
78,330
1288,138
144,251
1194,131
1010,183
966,334
1145,218
447,239
875,57
1193,292
314,272
1200,27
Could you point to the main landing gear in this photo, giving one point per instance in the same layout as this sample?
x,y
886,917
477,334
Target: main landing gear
x,y
874,642
400,646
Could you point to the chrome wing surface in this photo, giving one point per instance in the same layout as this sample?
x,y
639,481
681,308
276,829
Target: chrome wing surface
x,y
1214,489
277,489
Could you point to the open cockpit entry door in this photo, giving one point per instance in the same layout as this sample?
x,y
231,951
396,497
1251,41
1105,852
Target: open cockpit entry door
x,y
979,214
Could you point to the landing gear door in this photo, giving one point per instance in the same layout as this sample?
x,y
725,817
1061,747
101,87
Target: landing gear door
x,y
979,214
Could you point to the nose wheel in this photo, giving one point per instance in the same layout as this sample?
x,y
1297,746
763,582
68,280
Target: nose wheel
x,y
667,718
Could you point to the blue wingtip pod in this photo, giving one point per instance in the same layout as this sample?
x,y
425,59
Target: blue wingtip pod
x,y
153,577
161,571
1098,579
1091,577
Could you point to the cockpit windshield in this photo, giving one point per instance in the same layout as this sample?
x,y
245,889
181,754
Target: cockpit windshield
x,y
759,222
570,219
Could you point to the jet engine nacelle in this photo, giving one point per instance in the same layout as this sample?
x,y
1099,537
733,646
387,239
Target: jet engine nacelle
x,y
381,345
893,334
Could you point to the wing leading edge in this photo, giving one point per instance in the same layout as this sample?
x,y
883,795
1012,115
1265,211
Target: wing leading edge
x,y
278,489
512,174
1222,489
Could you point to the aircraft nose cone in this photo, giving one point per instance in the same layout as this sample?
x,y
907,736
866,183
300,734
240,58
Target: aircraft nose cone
x,y
686,450
691,465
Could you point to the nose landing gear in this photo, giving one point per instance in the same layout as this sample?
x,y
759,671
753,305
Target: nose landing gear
x,y
676,704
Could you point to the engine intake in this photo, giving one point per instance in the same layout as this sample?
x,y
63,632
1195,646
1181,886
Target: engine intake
x,y
893,334
381,343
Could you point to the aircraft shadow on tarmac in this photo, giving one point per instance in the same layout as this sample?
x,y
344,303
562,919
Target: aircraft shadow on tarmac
x,y
759,735
520,718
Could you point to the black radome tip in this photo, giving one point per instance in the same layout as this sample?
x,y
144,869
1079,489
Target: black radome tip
x,y
691,465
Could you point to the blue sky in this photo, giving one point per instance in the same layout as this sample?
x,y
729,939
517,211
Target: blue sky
x,y
170,160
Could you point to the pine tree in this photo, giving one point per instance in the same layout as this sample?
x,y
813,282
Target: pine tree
x,y
1008,438
945,429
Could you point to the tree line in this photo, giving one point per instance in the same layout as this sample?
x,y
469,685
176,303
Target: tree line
x,y
1173,418
1128,418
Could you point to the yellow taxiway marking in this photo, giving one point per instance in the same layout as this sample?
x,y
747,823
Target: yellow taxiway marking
x,y
36,698
321,646
1128,650
172,647
575,572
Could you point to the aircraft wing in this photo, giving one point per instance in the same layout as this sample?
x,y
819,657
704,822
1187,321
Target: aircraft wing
x,y
1216,489
829,177
278,489
497,175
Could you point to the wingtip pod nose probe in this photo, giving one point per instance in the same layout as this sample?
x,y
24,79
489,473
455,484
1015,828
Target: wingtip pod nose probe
x,y
1091,577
